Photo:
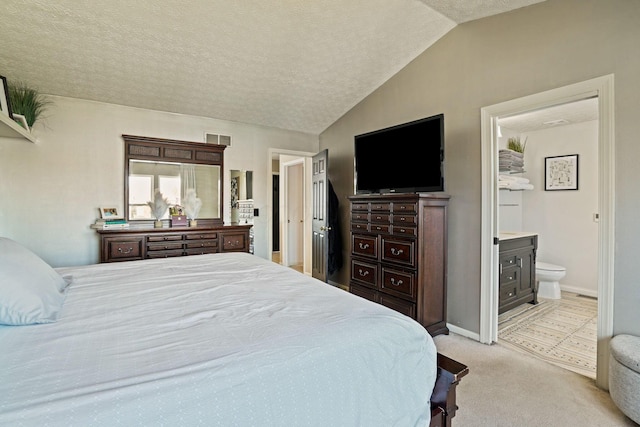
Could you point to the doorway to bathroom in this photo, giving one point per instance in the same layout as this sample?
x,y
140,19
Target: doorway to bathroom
x,y
600,90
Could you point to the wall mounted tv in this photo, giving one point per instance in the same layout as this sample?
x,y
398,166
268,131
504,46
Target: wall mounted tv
x,y
407,158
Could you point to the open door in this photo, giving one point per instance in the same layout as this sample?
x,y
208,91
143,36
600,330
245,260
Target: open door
x,y
320,225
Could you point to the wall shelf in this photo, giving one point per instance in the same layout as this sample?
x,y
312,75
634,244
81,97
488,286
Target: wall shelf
x,y
11,129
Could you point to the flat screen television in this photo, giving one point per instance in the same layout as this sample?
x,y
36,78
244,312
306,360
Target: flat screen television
x,y
406,158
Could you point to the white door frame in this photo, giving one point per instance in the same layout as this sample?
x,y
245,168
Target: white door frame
x,y
275,153
602,87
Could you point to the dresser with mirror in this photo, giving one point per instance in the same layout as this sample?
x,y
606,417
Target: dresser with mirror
x,y
173,166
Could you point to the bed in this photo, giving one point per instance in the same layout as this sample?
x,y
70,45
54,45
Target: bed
x,y
218,340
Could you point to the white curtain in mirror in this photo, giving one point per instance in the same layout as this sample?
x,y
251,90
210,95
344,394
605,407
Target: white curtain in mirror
x,y
188,177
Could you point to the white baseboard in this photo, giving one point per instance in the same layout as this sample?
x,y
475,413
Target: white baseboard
x,y
463,332
581,291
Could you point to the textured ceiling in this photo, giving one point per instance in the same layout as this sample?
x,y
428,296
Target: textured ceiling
x,y
290,64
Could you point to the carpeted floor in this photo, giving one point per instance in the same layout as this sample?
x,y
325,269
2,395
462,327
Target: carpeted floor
x,y
562,332
501,390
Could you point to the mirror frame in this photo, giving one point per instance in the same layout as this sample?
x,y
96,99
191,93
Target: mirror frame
x,y
174,151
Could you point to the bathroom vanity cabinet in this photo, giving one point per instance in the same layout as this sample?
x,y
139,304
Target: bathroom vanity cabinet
x,y
517,257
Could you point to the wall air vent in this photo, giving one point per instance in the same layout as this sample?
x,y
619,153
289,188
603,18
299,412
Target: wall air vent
x,y
212,138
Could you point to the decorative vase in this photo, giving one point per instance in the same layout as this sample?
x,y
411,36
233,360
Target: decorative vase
x,y
193,223
157,224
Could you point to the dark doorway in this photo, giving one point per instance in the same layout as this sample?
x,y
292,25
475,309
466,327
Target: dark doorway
x,y
275,202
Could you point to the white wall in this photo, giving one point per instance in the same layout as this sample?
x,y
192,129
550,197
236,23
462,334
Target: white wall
x,y
50,191
567,234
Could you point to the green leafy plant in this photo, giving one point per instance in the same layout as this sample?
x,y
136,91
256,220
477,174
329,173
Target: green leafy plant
x,y
514,144
27,101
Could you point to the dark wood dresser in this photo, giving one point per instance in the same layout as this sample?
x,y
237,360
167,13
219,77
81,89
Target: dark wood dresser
x,y
146,243
399,254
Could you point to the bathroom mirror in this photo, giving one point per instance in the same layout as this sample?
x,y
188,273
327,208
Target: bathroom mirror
x,y
173,167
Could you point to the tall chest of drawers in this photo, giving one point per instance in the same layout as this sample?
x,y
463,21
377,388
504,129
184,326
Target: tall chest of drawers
x,y
399,254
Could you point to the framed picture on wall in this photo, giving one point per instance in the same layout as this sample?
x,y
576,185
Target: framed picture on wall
x,y
561,172
5,104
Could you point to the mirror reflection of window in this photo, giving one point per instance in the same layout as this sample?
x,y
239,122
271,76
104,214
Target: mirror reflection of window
x,y
140,192
172,179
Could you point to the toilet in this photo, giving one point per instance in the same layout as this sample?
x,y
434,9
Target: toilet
x,y
548,277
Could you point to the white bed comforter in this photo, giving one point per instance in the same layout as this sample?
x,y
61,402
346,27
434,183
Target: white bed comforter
x,y
214,340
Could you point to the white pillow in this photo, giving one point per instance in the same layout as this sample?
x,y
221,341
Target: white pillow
x,y
30,290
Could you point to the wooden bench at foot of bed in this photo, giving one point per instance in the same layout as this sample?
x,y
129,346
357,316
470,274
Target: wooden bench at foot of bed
x,y
443,398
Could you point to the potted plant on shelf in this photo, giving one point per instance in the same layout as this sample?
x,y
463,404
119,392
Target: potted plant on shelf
x,y
27,101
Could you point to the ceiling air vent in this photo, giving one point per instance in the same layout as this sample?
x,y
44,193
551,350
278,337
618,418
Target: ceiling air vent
x,y
212,138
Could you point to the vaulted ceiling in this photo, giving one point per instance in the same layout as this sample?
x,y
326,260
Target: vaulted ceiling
x,y
291,64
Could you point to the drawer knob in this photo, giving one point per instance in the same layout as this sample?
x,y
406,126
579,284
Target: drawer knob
x,y
394,283
128,251
363,245
396,252
363,273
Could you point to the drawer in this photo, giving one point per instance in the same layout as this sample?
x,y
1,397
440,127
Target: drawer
x,y
363,292
366,274
405,231
163,246
509,260
360,226
165,254
405,207
198,236
360,207
400,219
380,228
201,251
380,217
400,251
402,306
120,249
509,275
234,242
202,244
378,207
364,246
508,293
398,283
164,237
359,217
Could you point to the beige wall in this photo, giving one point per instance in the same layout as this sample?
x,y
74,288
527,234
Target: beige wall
x,y
50,191
485,62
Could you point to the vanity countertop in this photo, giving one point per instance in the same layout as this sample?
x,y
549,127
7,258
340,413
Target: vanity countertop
x,y
507,235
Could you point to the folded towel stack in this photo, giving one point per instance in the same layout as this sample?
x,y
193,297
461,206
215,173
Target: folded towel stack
x,y
510,161
510,182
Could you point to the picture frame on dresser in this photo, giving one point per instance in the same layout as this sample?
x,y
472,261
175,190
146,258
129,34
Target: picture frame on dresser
x,y
109,212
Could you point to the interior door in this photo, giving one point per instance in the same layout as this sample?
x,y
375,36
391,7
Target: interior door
x,y
320,226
